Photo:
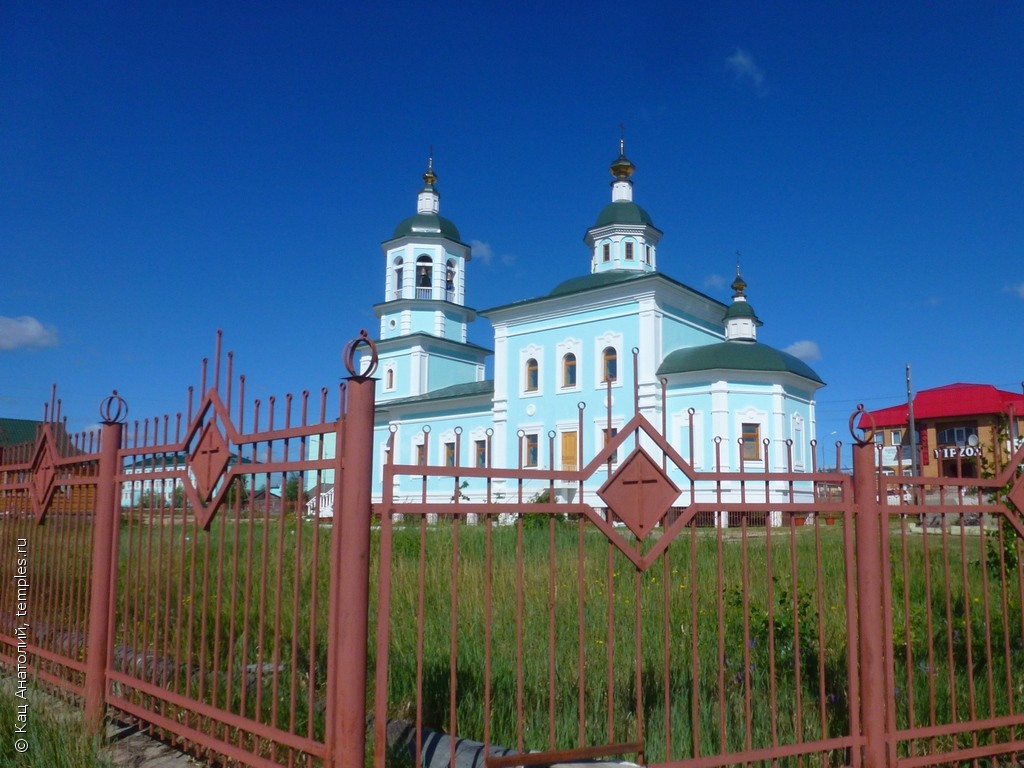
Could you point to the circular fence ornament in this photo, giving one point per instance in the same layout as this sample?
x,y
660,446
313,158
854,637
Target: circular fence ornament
x,y
113,409
861,439
349,355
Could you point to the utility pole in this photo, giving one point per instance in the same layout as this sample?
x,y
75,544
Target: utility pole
x,y
911,425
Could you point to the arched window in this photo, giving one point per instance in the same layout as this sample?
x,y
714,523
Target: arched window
x,y
609,364
629,251
424,276
449,280
389,379
532,375
399,274
606,252
569,370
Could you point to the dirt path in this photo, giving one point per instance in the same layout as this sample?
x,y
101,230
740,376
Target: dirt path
x,y
128,747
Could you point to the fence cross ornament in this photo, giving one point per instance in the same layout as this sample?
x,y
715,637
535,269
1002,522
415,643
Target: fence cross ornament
x,y
208,462
44,474
639,493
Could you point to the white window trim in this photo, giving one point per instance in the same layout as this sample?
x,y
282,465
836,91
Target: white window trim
x,y
752,416
600,425
798,431
563,348
538,431
537,353
680,430
607,339
417,440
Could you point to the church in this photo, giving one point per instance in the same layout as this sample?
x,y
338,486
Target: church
x,y
619,337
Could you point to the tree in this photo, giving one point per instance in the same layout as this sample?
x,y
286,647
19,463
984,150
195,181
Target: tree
x,y
293,489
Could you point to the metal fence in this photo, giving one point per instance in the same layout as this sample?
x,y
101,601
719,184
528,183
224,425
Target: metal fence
x,y
173,570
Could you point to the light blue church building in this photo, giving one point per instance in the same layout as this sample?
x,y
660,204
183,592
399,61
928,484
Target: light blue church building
x,y
699,368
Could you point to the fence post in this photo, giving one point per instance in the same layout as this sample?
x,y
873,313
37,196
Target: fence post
x,y
113,411
870,616
348,618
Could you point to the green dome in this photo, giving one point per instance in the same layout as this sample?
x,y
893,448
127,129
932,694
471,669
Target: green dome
x,y
741,309
623,212
427,224
736,356
596,280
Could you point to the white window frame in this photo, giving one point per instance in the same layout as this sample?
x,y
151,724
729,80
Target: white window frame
x,y
797,431
563,348
752,415
535,352
532,430
602,342
600,425
681,431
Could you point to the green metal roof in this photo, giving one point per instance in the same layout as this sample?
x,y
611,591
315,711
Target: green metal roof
x,y
470,389
736,356
597,280
623,212
430,224
16,431
429,338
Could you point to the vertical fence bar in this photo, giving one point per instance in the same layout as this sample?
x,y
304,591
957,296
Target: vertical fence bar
x,y
350,575
869,606
100,596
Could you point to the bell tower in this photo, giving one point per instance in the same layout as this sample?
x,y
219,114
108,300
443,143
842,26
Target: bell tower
x,y
424,307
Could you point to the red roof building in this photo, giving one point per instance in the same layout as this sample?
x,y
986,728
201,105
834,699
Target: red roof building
x,y
962,430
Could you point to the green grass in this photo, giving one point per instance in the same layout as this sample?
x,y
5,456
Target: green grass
x,y
782,620
957,648
701,592
51,739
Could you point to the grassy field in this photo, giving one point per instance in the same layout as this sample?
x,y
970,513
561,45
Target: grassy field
x,y
732,640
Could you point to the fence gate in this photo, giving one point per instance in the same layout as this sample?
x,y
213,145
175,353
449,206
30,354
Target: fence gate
x,y
616,623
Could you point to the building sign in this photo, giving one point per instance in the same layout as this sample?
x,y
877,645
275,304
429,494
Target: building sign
x,y
958,451
891,455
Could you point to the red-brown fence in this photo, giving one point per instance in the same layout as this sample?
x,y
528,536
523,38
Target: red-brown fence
x,y
168,570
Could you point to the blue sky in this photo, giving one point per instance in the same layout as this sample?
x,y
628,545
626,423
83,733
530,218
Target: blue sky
x,y
173,169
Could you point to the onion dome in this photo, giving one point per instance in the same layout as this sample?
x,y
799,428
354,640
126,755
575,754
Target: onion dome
x,y
427,221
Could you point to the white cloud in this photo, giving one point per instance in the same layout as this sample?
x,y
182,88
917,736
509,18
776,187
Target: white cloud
x,y
805,350
714,281
745,69
1017,289
25,331
482,251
